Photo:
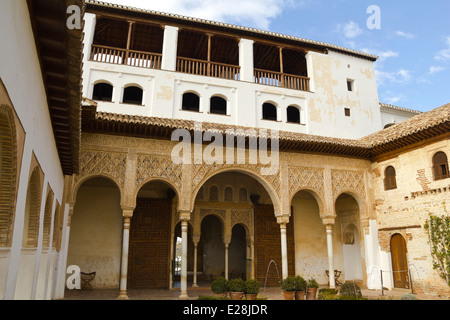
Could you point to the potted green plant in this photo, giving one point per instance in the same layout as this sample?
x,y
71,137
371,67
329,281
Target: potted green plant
x,y
300,288
220,287
288,288
311,289
251,289
236,288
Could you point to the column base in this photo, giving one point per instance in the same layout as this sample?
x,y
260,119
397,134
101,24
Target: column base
x,y
123,296
195,285
183,296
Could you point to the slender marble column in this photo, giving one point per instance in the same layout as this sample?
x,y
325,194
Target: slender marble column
x,y
284,258
184,249
194,284
226,260
330,255
127,215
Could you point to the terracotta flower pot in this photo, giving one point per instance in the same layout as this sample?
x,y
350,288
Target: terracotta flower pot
x,y
236,295
251,296
221,295
289,295
299,295
311,293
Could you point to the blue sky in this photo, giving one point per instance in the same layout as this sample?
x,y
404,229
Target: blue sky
x,y
413,41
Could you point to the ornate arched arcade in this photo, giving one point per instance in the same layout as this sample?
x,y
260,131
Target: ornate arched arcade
x,y
242,196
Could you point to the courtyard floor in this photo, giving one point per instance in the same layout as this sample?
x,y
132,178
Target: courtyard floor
x,y
194,293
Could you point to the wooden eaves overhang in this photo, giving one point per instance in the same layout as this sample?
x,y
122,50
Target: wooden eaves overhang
x,y
60,55
105,9
422,129
416,132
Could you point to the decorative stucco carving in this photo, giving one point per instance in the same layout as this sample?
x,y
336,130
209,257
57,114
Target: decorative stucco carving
x,y
150,166
307,178
242,216
110,164
203,171
345,180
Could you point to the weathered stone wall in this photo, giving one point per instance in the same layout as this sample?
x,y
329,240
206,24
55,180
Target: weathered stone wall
x,y
406,209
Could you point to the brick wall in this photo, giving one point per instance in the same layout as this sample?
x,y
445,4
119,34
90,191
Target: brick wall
x,y
406,209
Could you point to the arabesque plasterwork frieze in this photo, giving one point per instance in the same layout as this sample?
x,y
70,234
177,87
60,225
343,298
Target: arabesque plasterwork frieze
x,y
345,180
110,164
150,166
307,178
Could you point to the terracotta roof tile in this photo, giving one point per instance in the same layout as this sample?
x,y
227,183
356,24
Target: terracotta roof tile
x,y
409,127
420,127
222,128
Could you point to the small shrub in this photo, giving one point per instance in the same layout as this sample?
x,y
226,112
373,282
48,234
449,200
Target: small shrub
x,y
220,285
408,296
251,286
236,285
212,298
328,291
312,283
326,295
351,298
288,284
350,289
300,284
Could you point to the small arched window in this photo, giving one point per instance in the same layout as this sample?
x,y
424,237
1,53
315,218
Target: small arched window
x,y
390,180
32,210
243,195
47,220
218,106
103,92
269,112
133,95
191,102
228,196
214,193
293,115
440,166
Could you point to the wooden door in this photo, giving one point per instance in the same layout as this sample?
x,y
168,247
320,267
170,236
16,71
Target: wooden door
x,y
399,261
268,246
148,259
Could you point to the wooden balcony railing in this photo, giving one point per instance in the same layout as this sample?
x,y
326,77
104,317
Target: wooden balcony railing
x,y
209,69
278,79
197,67
127,57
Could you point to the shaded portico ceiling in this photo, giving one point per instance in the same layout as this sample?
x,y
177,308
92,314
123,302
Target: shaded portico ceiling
x,y
60,55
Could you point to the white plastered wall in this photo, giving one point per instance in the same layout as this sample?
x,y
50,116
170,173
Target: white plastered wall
x,y
322,108
21,74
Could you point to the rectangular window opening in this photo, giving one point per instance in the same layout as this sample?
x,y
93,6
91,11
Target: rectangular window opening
x,y
350,84
347,112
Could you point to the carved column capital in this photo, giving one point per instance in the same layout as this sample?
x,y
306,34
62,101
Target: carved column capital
x,y
227,240
283,220
196,239
185,215
127,212
328,220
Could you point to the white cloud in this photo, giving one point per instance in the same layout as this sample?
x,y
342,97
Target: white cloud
x,y
400,76
382,55
434,69
444,55
394,99
252,13
351,29
405,34
391,97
